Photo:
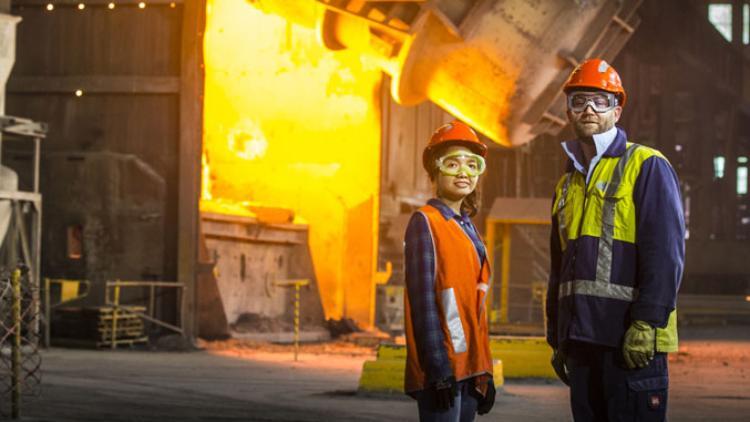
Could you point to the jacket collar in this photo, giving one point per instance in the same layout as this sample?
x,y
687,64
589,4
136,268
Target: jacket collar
x,y
618,145
615,148
445,210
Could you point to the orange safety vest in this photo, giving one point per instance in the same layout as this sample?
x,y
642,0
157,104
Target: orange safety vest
x,y
461,284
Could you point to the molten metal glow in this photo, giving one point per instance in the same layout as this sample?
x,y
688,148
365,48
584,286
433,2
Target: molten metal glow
x,y
290,124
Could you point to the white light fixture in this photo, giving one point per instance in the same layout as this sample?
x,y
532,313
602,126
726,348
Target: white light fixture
x,y
142,5
50,7
742,180
79,92
719,164
81,6
111,6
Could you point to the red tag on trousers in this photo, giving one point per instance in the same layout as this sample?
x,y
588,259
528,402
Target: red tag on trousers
x,y
654,401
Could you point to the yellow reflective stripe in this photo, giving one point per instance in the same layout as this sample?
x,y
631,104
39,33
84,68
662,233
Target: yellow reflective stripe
x,y
562,225
453,320
603,289
604,256
602,286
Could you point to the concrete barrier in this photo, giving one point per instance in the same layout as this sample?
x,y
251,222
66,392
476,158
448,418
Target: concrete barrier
x,y
514,357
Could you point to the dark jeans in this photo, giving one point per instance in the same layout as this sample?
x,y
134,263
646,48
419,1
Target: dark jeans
x,y
464,409
602,389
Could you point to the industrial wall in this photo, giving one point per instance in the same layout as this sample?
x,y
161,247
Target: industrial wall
x,y
107,82
689,91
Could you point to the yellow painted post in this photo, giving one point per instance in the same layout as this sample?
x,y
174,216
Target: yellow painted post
x,y
296,284
151,300
505,282
490,238
296,320
16,351
113,337
47,312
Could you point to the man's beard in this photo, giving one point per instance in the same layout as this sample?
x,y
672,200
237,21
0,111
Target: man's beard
x,y
583,130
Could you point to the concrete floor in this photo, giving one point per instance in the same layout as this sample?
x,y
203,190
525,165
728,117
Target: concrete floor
x,y
709,382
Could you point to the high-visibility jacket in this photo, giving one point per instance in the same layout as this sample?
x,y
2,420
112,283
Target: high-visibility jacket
x,y
606,271
461,283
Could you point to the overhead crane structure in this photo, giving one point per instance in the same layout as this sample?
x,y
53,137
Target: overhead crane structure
x,y
499,65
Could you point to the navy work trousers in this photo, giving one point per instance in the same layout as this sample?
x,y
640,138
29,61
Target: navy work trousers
x,y
602,389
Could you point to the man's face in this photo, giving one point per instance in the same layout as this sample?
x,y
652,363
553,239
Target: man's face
x,y
585,120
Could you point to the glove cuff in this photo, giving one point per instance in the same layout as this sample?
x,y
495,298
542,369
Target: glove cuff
x,y
445,383
641,325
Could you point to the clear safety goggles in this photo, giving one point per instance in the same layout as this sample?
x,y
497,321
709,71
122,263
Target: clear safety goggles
x,y
460,161
600,102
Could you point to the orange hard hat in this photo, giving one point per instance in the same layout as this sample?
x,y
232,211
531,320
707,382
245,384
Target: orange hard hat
x,y
453,133
596,74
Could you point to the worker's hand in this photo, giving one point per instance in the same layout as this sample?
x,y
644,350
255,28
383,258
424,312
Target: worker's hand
x,y
484,404
445,393
639,345
558,364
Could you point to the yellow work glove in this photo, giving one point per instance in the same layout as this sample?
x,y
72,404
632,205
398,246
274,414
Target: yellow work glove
x,y
639,345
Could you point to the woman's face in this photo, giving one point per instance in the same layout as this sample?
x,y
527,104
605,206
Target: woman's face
x,y
457,159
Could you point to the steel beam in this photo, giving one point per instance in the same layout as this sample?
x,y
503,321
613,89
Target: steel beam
x,y
94,85
190,147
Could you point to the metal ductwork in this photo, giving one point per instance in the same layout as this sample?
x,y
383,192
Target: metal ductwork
x,y
499,65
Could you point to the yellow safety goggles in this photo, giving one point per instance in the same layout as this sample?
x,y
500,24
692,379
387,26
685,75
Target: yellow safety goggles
x,y
460,161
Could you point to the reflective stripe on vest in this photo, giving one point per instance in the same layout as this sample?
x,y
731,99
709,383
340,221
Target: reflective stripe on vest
x,y
453,320
602,286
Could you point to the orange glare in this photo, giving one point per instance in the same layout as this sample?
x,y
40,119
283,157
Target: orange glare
x,y
289,124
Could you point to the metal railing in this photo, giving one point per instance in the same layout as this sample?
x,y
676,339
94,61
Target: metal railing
x,y
66,296
115,287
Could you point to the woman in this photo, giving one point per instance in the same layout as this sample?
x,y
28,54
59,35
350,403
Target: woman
x,y
449,366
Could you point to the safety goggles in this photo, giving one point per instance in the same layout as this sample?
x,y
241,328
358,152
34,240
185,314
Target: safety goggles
x,y
460,161
600,102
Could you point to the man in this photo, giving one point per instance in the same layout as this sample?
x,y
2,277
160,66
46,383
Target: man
x,y
617,253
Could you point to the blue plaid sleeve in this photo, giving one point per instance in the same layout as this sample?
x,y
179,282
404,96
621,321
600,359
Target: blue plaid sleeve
x,y
420,284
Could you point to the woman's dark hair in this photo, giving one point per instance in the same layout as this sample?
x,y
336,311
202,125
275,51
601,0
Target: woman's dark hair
x,y
471,203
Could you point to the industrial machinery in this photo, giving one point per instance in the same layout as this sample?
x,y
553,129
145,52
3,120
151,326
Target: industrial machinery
x,y
20,200
248,259
496,64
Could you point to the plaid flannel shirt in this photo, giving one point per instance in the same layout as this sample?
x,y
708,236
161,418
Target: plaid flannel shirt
x,y
420,283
